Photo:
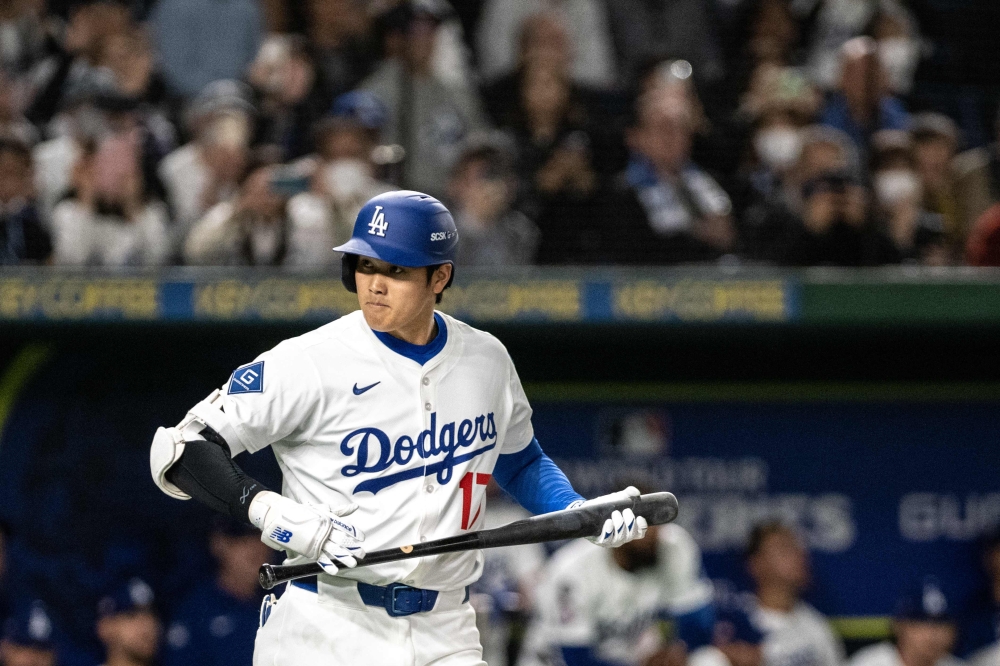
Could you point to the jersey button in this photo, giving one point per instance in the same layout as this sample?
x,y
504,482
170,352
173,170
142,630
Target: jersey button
x,y
429,489
427,406
427,380
423,538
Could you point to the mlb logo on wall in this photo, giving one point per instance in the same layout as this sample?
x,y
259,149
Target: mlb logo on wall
x,y
248,379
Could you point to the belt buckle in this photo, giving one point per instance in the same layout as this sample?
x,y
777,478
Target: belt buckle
x,y
395,591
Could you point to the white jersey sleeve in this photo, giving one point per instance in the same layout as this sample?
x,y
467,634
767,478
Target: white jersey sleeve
x,y
519,430
275,398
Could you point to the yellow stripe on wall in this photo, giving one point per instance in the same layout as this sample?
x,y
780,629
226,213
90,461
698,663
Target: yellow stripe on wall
x,y
25,363
861,628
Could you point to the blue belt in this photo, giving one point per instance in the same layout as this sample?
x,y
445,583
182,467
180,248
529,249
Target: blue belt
x,y
397,599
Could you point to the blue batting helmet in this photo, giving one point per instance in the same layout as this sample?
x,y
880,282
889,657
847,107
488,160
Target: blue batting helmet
x,y
403,228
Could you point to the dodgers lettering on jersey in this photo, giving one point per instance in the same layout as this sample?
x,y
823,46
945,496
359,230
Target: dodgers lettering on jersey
x,y
350,420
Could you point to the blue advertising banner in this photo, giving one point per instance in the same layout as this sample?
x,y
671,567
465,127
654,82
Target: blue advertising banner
x,y
882,493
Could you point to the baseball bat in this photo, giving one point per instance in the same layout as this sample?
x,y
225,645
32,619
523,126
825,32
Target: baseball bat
x,y
586,521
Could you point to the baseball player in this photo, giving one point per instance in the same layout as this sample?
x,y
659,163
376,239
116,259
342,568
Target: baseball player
x,y
601,608
387,425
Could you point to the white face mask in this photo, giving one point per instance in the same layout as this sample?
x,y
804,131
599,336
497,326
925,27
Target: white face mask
x,y
896,186
778,147
899,57
346,178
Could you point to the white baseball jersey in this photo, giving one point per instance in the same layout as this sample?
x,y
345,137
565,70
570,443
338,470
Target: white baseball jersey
x,y
351,420
802,637
886,654
586,600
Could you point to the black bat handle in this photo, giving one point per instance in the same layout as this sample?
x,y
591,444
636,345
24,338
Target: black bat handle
x,y
656,508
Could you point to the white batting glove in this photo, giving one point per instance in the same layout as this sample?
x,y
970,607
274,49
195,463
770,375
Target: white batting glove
x,y
621,526
317,533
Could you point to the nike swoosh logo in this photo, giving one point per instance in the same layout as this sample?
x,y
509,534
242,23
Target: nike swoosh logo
x,y
359,391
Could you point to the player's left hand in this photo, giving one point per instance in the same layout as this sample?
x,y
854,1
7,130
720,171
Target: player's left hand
x,y
621,526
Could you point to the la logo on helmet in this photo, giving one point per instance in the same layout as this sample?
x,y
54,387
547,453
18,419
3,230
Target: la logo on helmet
x,y
378,225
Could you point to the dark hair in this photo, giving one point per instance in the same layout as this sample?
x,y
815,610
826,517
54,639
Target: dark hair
x,y
761,533
349,264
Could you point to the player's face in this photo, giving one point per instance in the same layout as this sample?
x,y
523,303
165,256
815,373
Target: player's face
x,y
783,560
17,655
135,634
399,300
924,642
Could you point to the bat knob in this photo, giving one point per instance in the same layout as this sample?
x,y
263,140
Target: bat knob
x,y
266,576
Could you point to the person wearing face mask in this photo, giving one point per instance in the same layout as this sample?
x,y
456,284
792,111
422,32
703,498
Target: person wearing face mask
x,y
111,219
863,104
917,234
343,179
898,47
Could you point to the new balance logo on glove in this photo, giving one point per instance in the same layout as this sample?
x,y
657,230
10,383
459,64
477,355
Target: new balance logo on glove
x,y
283,536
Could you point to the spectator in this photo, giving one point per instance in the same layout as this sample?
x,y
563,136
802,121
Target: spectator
x,y
23,239
206,170
216,624
838,226
681,214
766,192
924,631
13,124
983,246
27,638
936,142
895,32
76,67
593,60
839,21
918,235
977,180
794,632
24,26
482,192
543,46
250,229
111,219
645,31
128,625
599,606
290,96
427,117
201,41
980,625
341,34
129,56
343,180
862,104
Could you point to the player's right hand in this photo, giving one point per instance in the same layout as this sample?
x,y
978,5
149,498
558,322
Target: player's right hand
x,y
317,533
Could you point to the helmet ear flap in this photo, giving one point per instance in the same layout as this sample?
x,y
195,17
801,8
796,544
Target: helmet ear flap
x,y
348,265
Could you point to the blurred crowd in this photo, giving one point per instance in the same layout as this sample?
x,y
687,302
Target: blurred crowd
x,y
249,132
648,603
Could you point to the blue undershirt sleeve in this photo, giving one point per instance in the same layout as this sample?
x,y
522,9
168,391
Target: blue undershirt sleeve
x,y
695,627
581,656
531,478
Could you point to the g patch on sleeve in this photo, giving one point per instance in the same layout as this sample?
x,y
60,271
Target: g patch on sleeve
x,y
248,379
